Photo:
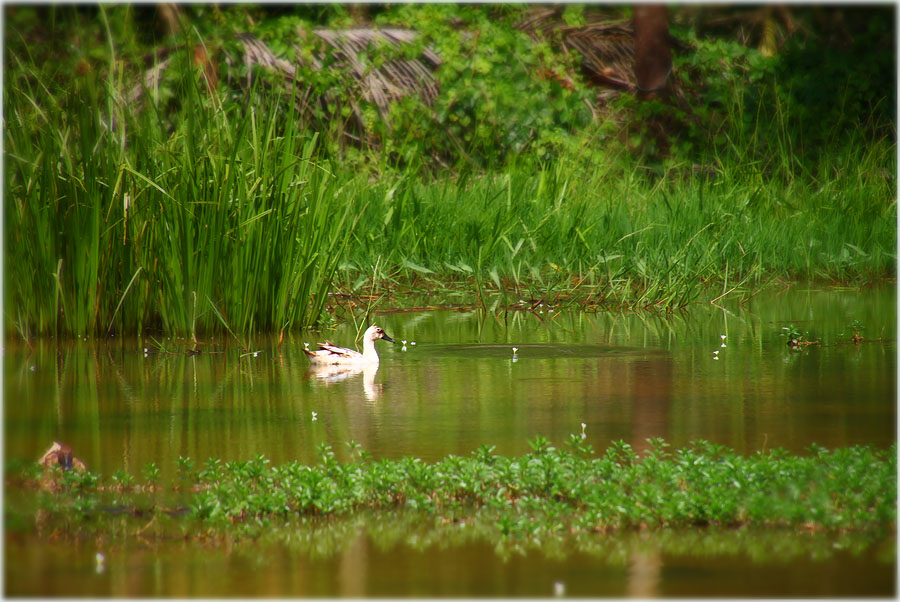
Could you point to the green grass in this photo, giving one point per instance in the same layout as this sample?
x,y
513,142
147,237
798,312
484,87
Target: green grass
x,y
625,238
550,491
191,214
229,219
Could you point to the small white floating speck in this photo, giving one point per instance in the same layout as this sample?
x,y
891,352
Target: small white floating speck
x,y
715,357
412,342
716,352
403,341
315,416
515,358
515,349
559,589
724,345
723,336
403,348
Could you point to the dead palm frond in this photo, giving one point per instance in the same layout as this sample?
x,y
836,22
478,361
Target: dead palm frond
x,y
605,46
607,53
380,85
257,53
395,78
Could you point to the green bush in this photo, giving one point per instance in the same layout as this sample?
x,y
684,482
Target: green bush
x,y
190,211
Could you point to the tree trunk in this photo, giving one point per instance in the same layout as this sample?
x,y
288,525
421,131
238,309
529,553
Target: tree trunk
x,y
652,59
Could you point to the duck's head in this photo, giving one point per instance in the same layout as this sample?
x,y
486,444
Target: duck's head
x,y
375,332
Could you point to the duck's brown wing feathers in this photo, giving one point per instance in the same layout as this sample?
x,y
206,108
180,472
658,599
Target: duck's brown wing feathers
x,y
336,351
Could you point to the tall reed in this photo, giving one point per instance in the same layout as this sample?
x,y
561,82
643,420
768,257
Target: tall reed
x,y
120,217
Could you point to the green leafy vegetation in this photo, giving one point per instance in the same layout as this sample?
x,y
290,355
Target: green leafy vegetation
x,y
187,207
550,491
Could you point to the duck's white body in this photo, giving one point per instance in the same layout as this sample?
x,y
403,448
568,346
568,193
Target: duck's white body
x,y
329,354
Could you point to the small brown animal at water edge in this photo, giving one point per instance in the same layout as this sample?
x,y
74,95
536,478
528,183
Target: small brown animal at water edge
x,y
61,455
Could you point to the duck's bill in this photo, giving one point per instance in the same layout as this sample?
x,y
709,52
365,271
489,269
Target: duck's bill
x,y
385,337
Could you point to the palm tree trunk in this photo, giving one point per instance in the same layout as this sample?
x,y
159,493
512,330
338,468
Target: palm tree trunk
x,y
652,59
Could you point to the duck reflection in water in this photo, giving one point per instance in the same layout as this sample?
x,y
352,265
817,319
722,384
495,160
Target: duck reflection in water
x,y
331,374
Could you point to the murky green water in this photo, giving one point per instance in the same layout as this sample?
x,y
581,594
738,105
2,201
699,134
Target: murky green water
x,y
643,565
625,376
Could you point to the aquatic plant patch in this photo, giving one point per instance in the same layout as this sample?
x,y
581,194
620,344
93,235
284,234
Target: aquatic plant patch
x,y
550,491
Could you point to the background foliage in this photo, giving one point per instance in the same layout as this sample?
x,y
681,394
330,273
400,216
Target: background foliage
x,y
172,207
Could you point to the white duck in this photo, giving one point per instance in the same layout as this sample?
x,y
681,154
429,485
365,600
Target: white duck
x,y
327,353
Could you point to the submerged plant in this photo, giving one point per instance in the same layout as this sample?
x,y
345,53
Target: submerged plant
x,y
856,326
795,337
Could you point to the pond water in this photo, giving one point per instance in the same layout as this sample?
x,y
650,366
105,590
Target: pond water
x,y
719,373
